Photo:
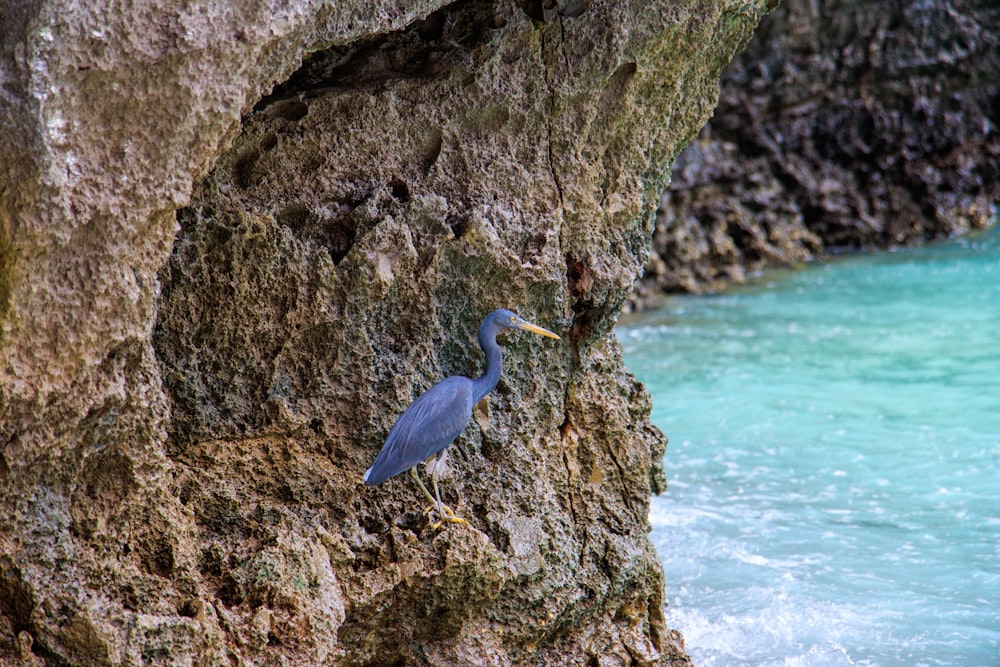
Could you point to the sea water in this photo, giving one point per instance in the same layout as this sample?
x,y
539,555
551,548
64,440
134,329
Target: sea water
x,y
834,461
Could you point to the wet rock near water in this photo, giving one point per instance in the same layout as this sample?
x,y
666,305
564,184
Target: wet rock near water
x,y
843,126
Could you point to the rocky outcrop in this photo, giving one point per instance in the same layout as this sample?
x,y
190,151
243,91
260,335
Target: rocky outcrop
x,y
845,125
237,238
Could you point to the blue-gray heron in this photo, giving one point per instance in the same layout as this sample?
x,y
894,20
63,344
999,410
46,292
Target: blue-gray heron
x,y
440,414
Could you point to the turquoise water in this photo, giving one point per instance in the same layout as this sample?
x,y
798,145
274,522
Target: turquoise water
x,y
834,461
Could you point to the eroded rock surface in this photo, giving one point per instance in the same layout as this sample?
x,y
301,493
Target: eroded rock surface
x,y
844,125
224,272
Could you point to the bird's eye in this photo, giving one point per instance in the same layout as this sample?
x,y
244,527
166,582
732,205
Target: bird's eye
x,y
513,319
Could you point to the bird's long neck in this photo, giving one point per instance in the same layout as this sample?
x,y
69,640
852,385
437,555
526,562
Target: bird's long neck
x,y
494,364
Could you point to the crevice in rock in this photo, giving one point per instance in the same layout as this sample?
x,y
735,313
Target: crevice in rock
x,y
17,602
615,88
400,190
459,225
431,150
586,314
568,432
552,167
535,9
548,122
425,49
244,174
337,230
622,477
574,8
292,110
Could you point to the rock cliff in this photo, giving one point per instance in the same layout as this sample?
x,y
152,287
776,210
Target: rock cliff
x,y
844,125
237,238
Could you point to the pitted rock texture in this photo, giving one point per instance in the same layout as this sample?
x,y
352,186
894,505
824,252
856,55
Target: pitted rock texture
x,y
845,125
237,240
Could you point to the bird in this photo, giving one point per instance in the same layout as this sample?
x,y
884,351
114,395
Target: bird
x,y
439,415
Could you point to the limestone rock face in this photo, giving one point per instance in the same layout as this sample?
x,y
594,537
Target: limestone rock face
x,y
844,125
237,238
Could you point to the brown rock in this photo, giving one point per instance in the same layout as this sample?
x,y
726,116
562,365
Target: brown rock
x,y
213,304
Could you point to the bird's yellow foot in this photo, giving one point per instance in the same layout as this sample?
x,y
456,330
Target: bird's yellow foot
x,y
447,515
450,518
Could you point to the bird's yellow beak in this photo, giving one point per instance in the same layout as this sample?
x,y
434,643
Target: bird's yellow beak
x,y
534,328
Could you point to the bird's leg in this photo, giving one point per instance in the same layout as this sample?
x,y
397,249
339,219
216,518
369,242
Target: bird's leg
x,y
435,503
443,516
416,477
